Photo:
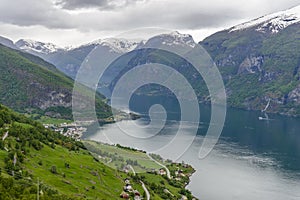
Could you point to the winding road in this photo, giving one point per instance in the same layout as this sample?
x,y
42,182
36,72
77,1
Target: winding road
x,y
5,136
133,171
167,170
146,190
143,185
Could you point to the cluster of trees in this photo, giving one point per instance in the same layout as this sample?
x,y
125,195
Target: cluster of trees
x,y
128,148
157,157
131,162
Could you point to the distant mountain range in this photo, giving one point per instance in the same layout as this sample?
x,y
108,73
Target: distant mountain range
x,y
259,60
68,60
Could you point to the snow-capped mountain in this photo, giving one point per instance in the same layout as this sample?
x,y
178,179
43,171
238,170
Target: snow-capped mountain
x,y
121,45
37,47
272,23
259,58
118,45
69,60
7,42
173,39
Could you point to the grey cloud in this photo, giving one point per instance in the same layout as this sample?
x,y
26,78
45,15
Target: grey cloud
x,y
131,14
165,15
99,4
32,13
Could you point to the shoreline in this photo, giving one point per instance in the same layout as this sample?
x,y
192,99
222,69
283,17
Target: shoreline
x,y
171,174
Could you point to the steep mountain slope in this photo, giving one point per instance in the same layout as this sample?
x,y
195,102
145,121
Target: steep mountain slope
x,y
37,89
260,61
69,61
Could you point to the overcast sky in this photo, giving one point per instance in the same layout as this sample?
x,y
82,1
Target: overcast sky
x,y
73,22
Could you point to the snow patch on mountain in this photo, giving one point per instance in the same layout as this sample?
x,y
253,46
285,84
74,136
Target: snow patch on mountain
x,y
180,39
7,42
272,23
118,45
171,39
37,47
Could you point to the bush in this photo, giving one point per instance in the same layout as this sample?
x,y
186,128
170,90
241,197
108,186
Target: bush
x,y
53,169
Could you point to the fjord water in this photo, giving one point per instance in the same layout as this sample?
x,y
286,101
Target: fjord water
x,y
254,159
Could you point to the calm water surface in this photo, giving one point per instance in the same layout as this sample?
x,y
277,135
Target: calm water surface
x,y
253,159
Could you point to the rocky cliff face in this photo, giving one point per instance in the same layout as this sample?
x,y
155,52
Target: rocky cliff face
x,y
251,64
294,95
259,60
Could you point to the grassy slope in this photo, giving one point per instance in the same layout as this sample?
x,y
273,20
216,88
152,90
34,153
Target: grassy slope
x,y
79,178
39,149
120,156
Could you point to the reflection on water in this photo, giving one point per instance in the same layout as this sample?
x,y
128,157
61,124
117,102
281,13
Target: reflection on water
x,y
254,159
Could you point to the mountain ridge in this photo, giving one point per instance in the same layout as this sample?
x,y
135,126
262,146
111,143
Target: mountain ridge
x,y
37,47
273,22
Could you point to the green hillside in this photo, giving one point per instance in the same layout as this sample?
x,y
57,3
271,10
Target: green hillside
x,y
33,157
30,85
63,167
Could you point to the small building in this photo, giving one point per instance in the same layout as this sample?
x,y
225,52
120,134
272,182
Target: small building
x,y
127,181
128,188
162,172
136,197
136,193
185,165
124,195
126,170
183,197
